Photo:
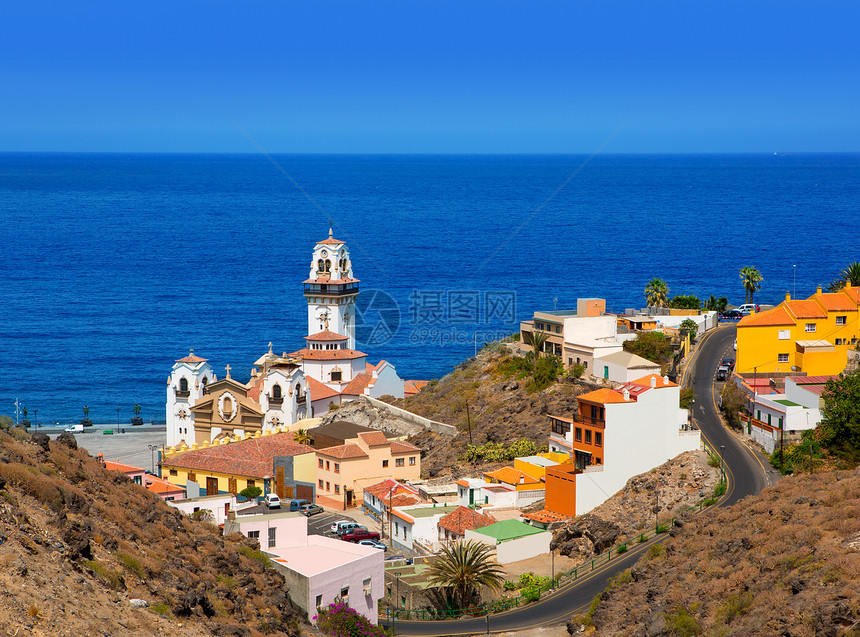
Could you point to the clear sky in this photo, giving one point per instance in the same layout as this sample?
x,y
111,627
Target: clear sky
x,y
464,76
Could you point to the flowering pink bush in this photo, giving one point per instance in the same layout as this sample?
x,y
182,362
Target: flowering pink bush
x,y
339,620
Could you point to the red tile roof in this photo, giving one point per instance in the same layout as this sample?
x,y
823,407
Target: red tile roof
x,y
358,384
343,452
463,518
373,438
329,280
326,336
157,485
251,457
776,316
412,387
404,499
852,292
124,468
328,354
191,358
318,390
645,381
509,475
403,447
836,302
382,489
545,516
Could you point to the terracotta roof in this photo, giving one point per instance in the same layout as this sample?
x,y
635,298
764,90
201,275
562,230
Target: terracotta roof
x,y
604,396
645,381
326,336
373,438
318,390
357,385
509,475
124,468
403,447
412,387
777,316
382,489
852,292
349,450
370,368
322,280
328,354
251,457
191,358
836,302
805,309
545,516
463,518
255,386
811,380
157,485
404,499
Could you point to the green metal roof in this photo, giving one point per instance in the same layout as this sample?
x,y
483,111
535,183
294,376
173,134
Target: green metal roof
x,y
787,403
426,512
509,530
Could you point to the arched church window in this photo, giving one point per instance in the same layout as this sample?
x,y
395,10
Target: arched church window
x,y
183,384
228,405
328,265
276,391
320,265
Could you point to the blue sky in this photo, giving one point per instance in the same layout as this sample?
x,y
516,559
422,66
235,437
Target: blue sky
x,y
442,76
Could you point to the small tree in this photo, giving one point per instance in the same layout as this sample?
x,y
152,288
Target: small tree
x,y
302,437
691,327
839,431
653,346
751,279
462,568
251,492
685,302
732,400
656,293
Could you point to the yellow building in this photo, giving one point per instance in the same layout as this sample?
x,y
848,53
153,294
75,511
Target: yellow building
x,y
274,462
811,335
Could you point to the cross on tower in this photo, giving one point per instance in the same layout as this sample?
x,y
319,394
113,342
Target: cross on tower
x,y
228,371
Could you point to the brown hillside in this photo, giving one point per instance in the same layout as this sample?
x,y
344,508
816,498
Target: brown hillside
x,y
78,542
501,409
783,563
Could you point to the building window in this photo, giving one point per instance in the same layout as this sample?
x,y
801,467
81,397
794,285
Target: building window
x,y
174,472
192,477
327,465
272,531
588,436
335,377
183,384
784,335
337,488
577,434
344,594
319,601
810,327
254,535
597,460
398,462
840,341
411,461
321,484
321,463
276,391
840,320
384,463
560,427
327,486
598,438
251,483
782,358
337,467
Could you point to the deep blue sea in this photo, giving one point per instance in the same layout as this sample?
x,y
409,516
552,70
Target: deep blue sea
x,y
115,265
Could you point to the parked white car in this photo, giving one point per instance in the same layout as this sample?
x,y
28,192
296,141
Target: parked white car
x,y
272,501
75,429
748,308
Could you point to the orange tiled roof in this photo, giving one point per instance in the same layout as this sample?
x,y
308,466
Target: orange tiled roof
x,y
357,385
776,316
382,489
124,468
326,336
328,354
329,280
509,475
344,452
157,485
373,438
403,447
604,396
319,390
255,386
403,516
251,457
191,358
412,387
805,309
852,292
836,302
463,518
645,381
404,499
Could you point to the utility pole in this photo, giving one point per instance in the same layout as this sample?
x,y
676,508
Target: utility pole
x,y
794,296
657,511
469,422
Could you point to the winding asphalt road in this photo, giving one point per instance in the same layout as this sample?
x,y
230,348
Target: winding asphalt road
x,y
747,474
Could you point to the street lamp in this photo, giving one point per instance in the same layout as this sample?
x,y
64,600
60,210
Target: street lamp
x,y
396,597
657,511
36,416
722,454
552,578
117,416
152,449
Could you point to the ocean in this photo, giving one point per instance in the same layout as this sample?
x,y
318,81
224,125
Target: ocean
x,y
115,265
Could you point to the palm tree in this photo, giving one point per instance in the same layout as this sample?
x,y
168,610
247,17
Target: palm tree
x,y
462,568
656,293
851,274
536,339
751,279
302,437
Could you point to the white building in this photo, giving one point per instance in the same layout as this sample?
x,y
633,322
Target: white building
x,y
623,367
284,389
317,569
418,524
619,433
794,411
513,540
219,505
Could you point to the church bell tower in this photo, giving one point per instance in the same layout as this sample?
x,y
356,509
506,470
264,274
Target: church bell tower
x,y
331,290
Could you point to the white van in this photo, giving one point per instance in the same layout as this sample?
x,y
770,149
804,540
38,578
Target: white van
x,y
748,308
75,429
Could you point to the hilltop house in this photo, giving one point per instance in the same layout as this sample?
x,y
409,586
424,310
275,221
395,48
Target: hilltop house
x,y
616,434
453,527
778,418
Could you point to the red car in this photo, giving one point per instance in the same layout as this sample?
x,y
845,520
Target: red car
x,y
360,534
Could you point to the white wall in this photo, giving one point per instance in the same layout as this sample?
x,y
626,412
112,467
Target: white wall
x,y
514,550
796,393
290,527
215,503
586,328
619,373
387,382
638,437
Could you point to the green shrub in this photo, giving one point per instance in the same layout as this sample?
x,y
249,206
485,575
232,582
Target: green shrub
x,y
655,551
259,556
500,452
132,564
510,585
735,605
109,576
681,624
621,549
161,608
714,461
251,492
663,528
339,620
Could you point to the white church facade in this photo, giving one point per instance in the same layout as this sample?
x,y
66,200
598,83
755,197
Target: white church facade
x,y
284,388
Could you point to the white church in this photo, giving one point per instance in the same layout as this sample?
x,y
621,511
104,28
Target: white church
x,y
284,388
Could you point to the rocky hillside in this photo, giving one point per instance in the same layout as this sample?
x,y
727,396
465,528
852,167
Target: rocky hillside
x,y
786,562
84,551
501,408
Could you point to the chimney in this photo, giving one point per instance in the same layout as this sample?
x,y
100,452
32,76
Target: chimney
x,y
625,393
522,479
665,380
653,382
818,290
788,296
231,515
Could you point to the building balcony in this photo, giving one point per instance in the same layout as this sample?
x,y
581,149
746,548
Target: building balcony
x,y
182,394
301,400
276,401
330,289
